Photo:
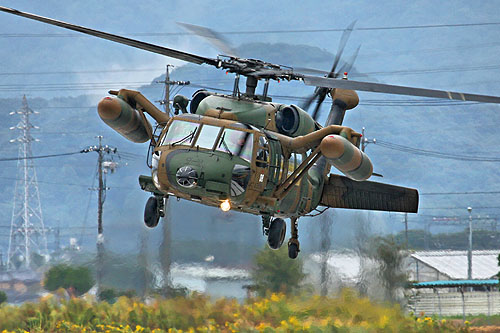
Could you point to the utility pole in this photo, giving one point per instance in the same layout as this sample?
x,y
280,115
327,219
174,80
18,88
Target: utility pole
x,y
365,141
469,252
166,102
101,195
58,239
325,244
27,225
406,230
165,246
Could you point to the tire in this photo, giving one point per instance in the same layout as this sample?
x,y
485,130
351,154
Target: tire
x,y
277,232
293,250
151,213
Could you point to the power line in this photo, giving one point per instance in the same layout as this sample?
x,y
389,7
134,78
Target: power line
x,y
460,193
436,154
95,71
37,157
460,208
254,32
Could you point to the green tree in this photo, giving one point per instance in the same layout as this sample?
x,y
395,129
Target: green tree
x,y
3,297
498,275
274,271
390,257
78,279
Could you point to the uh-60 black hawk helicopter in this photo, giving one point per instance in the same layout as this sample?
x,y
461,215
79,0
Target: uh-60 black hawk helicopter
x,y
249,154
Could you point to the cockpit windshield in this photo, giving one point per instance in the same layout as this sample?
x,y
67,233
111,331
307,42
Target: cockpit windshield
x,y
180,133
207,136
232,141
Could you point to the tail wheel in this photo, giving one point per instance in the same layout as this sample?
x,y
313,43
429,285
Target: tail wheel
x,y
152,212
293,249
277,231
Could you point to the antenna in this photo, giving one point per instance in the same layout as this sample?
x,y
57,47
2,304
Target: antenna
x,y
27,231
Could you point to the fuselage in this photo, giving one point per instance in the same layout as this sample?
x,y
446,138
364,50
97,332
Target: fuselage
x,y
209,160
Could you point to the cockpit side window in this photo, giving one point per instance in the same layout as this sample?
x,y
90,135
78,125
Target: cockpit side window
x,y
239,179
238,143
262,153
180,133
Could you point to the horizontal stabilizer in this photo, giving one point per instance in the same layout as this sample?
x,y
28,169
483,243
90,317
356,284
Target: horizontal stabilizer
x,y
342,192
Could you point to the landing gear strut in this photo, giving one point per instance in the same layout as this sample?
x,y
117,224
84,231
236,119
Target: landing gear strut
x,y
293,242
155,208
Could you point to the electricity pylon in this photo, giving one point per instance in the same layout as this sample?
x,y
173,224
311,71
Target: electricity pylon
x,y
27,231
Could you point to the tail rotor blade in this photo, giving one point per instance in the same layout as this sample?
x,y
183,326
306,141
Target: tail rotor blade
x,y
346,68
321,97
342,44
309,100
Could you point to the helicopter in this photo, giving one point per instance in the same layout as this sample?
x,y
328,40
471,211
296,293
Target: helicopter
x,y
246,153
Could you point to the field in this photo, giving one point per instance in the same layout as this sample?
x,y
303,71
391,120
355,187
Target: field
x,y
197,313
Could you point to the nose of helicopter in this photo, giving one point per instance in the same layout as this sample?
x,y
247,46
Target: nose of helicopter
x,y
200,173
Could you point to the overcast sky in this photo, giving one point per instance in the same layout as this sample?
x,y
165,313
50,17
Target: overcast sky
x,y
451,52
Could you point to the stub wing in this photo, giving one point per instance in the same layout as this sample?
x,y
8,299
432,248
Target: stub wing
x,y
342,192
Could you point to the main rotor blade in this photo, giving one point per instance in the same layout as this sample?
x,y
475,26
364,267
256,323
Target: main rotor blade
x,y
118,39
342,44
397,90
213,37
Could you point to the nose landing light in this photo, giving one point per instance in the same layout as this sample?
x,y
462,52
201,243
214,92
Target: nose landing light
x,y
225,205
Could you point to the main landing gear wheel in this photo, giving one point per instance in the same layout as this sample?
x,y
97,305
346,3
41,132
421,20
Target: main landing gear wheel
x,y
155,208
293,242
277,231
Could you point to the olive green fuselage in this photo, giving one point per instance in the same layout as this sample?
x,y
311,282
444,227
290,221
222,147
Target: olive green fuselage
x,y
227,160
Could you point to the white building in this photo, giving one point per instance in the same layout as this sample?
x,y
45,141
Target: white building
x,y
214,281
452,265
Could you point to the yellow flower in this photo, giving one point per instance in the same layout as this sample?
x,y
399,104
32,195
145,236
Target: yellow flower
x,y
293,320
384,320
275,297
262,326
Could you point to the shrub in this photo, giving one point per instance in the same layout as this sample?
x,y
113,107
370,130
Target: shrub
x,y
3,297
274,271
77,279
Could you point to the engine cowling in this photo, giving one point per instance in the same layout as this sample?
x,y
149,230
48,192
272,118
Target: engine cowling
x,y
346,157
293,121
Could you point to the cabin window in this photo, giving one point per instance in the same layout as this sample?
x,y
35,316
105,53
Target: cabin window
x,y
239,179
207,136
236,143
180,133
